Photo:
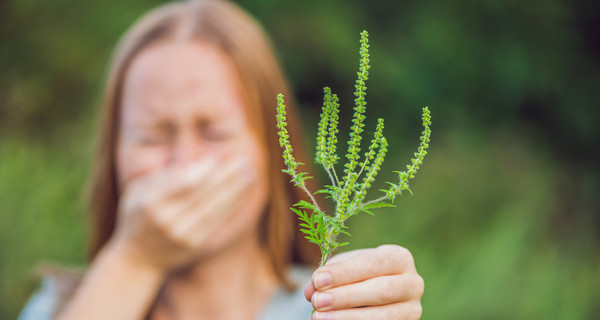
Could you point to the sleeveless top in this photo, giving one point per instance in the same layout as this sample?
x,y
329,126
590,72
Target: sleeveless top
x,y
283,304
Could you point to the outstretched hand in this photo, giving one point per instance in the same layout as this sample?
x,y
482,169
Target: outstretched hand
x,y
378,283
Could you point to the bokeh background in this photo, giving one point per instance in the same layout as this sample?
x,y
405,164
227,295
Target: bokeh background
x,y
505,218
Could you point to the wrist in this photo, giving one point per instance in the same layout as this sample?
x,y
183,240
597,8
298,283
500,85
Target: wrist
x,y
117,285
127,258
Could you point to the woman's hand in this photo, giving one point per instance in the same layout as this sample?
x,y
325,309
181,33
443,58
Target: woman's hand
x,y
166,216
380,283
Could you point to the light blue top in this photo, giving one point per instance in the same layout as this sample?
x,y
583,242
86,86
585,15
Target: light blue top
x,y
283,304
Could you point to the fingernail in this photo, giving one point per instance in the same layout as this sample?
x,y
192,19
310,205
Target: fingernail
x,y
322,280
322,316
322,299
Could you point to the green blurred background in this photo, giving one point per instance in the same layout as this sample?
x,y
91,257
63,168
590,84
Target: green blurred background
x,y
505,219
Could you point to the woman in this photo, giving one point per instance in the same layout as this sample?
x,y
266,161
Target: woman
x,y
190,208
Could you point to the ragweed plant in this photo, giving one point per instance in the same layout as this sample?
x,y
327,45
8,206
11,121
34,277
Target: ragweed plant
x,y
349,192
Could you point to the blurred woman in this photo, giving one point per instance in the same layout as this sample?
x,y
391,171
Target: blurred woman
x,y
189,205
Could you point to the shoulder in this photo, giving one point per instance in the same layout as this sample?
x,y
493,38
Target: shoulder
x,y
287,304
42,305
56,288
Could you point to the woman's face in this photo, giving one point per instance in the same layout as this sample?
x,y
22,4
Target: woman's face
x,y
183,101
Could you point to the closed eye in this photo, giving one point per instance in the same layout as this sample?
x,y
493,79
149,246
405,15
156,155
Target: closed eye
x,y
153,138
218,133
158,135
223,129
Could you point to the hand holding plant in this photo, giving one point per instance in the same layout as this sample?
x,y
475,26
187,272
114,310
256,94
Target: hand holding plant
x,y
349,192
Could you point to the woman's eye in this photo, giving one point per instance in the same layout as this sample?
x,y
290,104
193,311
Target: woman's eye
x,y
151,139
217,134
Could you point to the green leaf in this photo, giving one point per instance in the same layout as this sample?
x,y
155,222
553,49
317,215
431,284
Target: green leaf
x,y
303,176
298,212
345,232
313,241
378,205
367,211
306,205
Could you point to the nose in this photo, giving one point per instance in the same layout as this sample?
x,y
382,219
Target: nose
x,y
186,149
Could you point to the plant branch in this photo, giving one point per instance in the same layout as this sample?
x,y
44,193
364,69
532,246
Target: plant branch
x,y
347,194
330,176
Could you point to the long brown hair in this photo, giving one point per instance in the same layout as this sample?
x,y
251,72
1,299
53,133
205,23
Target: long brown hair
x,y
226,26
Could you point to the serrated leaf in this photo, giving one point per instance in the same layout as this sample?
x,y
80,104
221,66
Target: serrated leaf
x,y
305,205
313,241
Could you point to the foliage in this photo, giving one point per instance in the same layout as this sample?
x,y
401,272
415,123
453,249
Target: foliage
x,y
323,229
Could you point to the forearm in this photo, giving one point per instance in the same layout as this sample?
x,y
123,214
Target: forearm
x,y
115,287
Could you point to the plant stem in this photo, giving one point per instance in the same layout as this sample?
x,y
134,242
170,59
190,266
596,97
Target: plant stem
x,y
312,198
330,176
335,175
366,204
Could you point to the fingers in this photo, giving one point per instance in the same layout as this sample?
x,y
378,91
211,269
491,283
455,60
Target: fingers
x,y
160,184
309,291
397,311
168,214
379,283
310,288
382,261
172,183
203,187
372,292
210,211
173,201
